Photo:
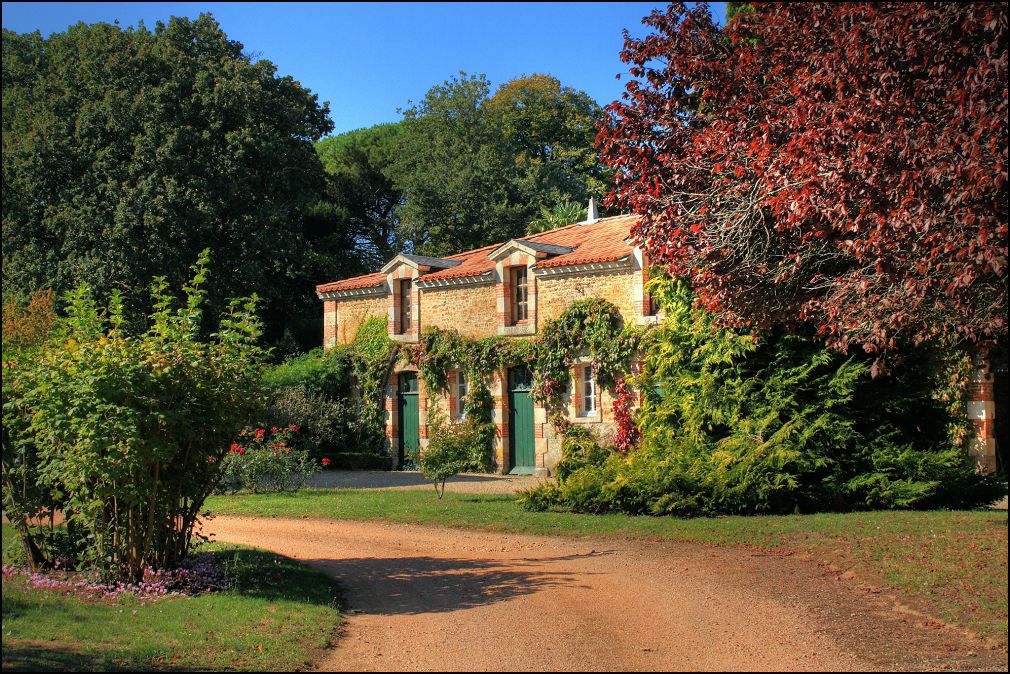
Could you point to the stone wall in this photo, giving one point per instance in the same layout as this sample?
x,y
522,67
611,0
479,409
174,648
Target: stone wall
x,y
556,293
469,309
350,314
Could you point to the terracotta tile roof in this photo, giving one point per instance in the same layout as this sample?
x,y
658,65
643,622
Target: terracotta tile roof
x,y
601,241
366,281
474,263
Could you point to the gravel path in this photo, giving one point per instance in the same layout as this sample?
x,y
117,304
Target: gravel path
x,y
475,483
428,598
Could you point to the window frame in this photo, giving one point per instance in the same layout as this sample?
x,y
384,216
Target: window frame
x,y
405,320
653,307
520,294
589,391
462,389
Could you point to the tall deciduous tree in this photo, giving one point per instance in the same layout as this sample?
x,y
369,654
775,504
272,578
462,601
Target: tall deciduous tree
x,y
844,164
475,168
549,130
126,152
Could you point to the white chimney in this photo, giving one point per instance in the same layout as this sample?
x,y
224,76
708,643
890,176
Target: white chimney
x,y
593,215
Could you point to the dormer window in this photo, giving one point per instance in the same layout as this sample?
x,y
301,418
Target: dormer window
x,y
520,295
405,290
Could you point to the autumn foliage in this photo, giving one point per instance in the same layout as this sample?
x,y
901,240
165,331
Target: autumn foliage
x,y
841,164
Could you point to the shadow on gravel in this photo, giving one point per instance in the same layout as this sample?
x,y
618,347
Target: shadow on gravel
x,y
414,585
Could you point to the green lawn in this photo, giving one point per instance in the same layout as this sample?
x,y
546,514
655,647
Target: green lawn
x,y
952,565
279,618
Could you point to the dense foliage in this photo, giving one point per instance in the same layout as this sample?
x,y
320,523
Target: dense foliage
x,y
475,168
361,191
842,164
742,423
126,151
336,397
124,433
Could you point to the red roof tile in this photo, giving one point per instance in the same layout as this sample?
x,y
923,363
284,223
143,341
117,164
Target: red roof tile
x,y
366,281
600,241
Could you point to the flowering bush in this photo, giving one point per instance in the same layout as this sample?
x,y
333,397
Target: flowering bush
x,y
262,460
122,431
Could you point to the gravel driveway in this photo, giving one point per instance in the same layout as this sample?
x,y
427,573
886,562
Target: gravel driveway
x,y
428,598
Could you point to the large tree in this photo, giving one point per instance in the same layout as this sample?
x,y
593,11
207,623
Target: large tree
x,y
839,163
363,196
475,168
127,151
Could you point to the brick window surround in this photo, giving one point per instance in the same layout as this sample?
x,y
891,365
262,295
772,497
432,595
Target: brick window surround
x,y
403,327
520,295
517,267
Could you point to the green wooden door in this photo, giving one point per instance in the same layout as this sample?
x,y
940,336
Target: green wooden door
x,y
522,452
408,417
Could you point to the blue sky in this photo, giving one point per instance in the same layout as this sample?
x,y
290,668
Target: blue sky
x,y
368,59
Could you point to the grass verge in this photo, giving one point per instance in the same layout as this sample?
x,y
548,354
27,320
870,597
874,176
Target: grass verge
x,y
951,565
279,616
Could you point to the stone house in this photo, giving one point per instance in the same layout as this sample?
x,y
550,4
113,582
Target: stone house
x,y
507,289
512,289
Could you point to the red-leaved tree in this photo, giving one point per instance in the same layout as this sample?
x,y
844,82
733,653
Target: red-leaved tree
x,y
843,164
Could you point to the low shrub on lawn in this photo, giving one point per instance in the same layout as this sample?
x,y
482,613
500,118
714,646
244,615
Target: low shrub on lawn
x,y
450,450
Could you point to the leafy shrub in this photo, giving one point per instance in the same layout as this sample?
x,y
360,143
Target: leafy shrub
x,y
450,451
326,425
771,423
124,433
318,372
262,460
316,392
579,448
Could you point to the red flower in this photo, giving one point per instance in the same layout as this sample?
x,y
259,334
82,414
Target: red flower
x,y
235,448
326,462
260,433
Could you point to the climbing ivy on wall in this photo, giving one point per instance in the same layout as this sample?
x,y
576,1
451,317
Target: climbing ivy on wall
x,y
590,327
373,354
